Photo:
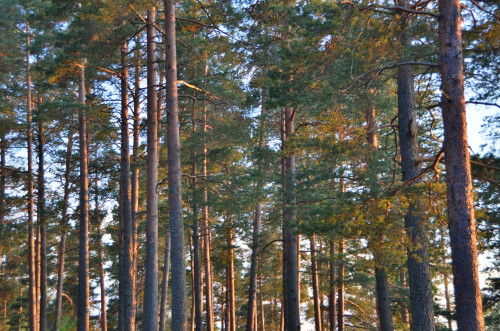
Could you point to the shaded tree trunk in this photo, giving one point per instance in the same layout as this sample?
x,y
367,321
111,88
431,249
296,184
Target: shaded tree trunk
x,y
126,269
383,299
331,294
33,309
64,229
318,321
290,238
230,278
83,256
458,173
421,303
179,320
340,287
164,283
102,285
150,316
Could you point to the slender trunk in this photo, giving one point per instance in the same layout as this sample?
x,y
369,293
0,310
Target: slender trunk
x,y
421,303
197,297
231,290
150,316
206,229
33,311
104,318
331,295
262,311
340,287
405,316
446,280
126,269
383,300
3,177
290,238
42,225
174,174
458,173
164,282
254,264
134,181
83,257
64,229
318,321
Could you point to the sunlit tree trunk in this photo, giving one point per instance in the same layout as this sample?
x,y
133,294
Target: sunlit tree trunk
x,y
150,316
42,223
461,222
179,320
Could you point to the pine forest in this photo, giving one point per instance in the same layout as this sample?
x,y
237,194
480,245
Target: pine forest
x,y
256,165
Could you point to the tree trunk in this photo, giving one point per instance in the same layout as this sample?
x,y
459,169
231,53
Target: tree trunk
x,y
257,219
174,174
383,300
318,321
290,238
458,174
331,295
197,297
421,303
164,283
231,289
33,309
104,316
83,259
340,287
150,316
42,225
126,269
64,229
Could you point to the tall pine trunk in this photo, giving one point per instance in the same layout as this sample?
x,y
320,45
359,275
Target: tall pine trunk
x,y
33,309
83,255
340,287
164,282
102,284
331,294
421,303
290,237
64,229
231,291
458,173
150,316
41,216
179,320
126,268
318,321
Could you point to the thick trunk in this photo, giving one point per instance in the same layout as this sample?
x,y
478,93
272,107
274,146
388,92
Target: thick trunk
x,y
458,174
340,287
331,295
318,321
150,316
42,225
383,300
64,229
164,282
126,269
83,257
290,238
174,174
33,309
418,266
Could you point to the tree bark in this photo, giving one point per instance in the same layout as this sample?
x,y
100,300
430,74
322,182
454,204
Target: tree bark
x,y
179,320
42,224
290,238
231,290
331,295
150,316
383,300
421,303
164,283
318,321
458,173
33,309
340,287
64,229
83,257
104,316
